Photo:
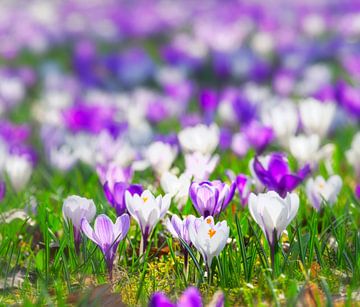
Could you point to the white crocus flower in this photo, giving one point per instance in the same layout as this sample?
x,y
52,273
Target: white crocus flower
x,y
19,170
200,166
319,190
305,148
273,213
177,187
160,156
147,211
200,138
75,208
353,154
316,116
209,238
284,121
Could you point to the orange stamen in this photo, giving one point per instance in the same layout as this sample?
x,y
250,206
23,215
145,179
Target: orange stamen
x,y
211,233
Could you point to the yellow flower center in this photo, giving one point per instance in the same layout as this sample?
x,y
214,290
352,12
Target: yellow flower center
x,y
208,221
211,233
145,199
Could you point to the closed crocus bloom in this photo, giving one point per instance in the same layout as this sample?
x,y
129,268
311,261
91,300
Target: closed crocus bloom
x,y
353,154
316,117
305,148
116,195
273,213
75,208
211,197
19,170
160,156
147,211
200,166
177,187
178,228
284,121
209,238
107,235
243,184
319,190
200,138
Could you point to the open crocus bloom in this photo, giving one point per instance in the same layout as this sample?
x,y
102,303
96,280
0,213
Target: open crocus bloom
x,y
273,213
200,138
211,197
320,190
147,211
177,187
209,238
75,208
107,235
200,166
316,117
274,173
116,196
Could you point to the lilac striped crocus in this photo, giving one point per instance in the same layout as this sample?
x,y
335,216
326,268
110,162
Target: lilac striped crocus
x,y
107,235
210,198
179,229
116,195
274,173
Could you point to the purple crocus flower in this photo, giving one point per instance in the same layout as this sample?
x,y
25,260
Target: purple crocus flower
x,y
190,298
258,136
2,190
116,194
243,184
209,102
274,173
107,235
357,191
211,197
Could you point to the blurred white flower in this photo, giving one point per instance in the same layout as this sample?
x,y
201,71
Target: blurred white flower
x,y
200,166
177,187
160,156
353,154
19,170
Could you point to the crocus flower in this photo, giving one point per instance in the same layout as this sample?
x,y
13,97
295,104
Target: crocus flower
x,y
107,235
113,173
19,170
75,208
243,184
357,191
160,156
2,190
116,195
274,173
283,118
258,136
305,148
273,213
209,238
190,298
319,190
200,166
316,117
211,197
147,211
179,229
177,187
200,138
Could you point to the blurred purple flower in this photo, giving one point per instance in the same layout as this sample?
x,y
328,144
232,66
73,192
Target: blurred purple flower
x,y
243,184
244,109
2,190
209,102
107,235
258,136
225,138
276,174
349,98
116,194
211,197
357,191
190,298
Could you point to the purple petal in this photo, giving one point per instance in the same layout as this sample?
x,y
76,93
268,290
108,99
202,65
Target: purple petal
x,y
304,172
288,183
2,190
159,299
103,229
190,298
261,173
88,231
357,191
108,193
278,167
